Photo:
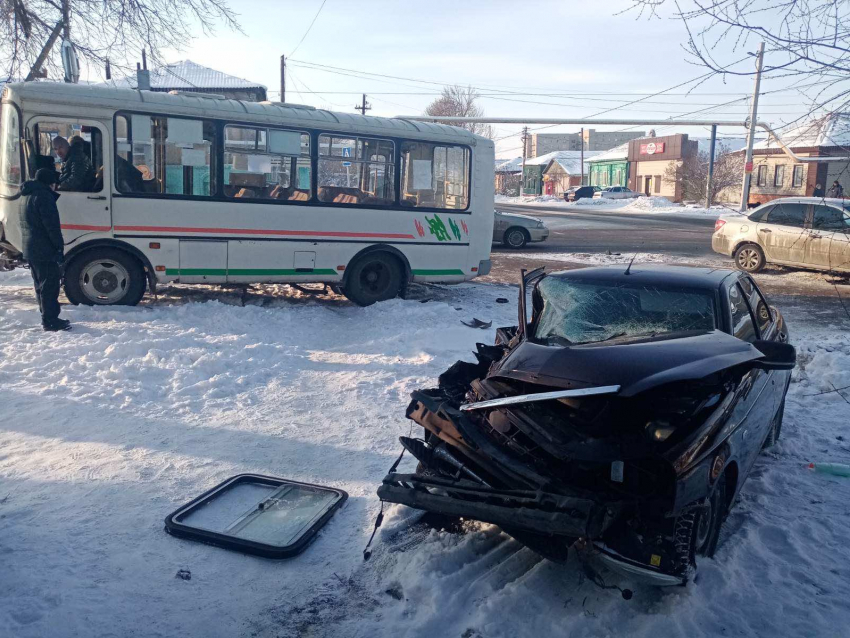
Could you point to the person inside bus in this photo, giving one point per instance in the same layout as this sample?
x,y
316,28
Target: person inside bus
x,y
77,170
128,178
43,245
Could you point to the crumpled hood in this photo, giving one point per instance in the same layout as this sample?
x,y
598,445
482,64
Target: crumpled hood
x,y
635,367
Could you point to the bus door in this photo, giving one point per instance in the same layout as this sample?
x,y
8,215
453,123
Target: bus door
x,y
85,202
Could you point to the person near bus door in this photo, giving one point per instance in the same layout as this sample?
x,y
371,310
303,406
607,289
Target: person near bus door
x,y
43,245
77,170
837,190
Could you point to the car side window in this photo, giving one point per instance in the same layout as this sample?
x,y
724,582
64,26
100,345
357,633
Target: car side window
x,y
758,305
760,215
742,321
788,215
828,218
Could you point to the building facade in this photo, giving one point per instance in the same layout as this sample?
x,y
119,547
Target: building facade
x,y
653,159
610,168
775,174
568,170
538,144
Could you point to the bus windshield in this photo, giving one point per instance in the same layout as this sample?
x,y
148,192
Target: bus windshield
x,y
10,151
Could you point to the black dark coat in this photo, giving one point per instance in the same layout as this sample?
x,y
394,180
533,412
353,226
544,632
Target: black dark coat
x,y
41,233
77,170
836,191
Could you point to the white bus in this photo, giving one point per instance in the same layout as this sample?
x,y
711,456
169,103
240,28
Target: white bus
x,y
195,188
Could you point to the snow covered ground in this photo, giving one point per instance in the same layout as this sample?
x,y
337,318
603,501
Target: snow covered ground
x,y
112,426
653,204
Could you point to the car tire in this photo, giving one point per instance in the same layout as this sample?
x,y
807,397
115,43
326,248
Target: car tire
x,y
105,277
749,257
515,238
775,427
697,532
374,277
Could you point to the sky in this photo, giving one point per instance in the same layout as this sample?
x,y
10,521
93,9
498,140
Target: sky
x,y
536,58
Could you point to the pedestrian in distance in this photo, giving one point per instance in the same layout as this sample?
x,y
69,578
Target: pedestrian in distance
x,y
818,192
836,191
43,245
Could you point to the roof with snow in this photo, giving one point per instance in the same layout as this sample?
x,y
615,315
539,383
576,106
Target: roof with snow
x,y
509,166
188,76
618,153
832,129
564,158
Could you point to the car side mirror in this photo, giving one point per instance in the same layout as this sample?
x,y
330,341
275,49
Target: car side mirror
x,y
777,356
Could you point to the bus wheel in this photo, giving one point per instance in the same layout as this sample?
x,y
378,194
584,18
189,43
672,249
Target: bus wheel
x,y
374,277
105,277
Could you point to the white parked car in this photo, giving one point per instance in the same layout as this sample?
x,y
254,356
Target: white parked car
x,y
514,230
807,232
615,192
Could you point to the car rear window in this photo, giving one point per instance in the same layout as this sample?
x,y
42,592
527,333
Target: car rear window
x,y
590,312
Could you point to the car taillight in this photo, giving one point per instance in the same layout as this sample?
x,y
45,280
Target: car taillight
x,y
719,224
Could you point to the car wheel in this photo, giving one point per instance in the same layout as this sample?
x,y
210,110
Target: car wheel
x,y
750,257
697,532
775,427
374,277
105,277
515,238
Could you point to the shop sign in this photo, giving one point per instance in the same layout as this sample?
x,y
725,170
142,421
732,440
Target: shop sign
x,y
652,148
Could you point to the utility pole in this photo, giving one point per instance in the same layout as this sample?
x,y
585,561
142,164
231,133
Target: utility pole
x,y
522,172
581,182
748,166
710,183
283,78
36,71
66,19
363,107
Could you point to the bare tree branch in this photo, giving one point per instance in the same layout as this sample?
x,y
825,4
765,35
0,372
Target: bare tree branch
x,y
457,101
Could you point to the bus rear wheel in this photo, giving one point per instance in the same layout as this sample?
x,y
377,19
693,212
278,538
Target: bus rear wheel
x,y
104,277
374,277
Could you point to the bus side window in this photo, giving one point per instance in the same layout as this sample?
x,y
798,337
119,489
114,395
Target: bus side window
x,y
356,170
74,150
164,155
262,163
434,176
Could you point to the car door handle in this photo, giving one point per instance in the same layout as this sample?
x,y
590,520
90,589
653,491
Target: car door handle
x,y
96,197
765,230
814,236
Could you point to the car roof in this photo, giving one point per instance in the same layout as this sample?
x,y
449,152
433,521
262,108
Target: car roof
x,y
835,201
651,274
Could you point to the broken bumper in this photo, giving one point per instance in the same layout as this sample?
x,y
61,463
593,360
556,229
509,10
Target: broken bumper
x,y
526,510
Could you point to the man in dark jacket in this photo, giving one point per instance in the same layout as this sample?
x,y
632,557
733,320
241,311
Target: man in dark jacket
x,y
837,190
43,245
818,192
77,170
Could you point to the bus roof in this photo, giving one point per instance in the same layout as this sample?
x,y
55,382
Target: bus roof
x,y
200,105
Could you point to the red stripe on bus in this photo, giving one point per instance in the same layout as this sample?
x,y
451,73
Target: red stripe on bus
x,y
85,227
258,231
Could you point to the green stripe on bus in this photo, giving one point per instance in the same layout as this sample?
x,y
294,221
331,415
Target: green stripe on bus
x,y
450,271
246,272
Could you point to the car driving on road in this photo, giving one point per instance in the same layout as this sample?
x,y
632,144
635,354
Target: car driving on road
x,y
615,192
620,422
580,192
807,232
515,231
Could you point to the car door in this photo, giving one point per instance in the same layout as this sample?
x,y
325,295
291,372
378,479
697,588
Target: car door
x,y
782,233
825,220
499,226
756,400
834,222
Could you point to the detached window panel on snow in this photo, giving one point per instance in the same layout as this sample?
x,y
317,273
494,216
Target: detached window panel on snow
x,y
256,514
434,176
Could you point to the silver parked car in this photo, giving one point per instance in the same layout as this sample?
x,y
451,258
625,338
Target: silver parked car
x,y
515,231
616,192
807,232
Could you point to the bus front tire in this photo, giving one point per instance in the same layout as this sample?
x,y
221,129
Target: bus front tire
x,y
374,277
104,277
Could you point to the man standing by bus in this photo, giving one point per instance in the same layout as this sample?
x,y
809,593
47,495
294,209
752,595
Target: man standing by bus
x,y
43,245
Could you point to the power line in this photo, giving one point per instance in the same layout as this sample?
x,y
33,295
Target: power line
x,y
322,6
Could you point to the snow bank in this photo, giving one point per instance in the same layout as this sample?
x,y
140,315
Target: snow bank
x,y
653,205
110,427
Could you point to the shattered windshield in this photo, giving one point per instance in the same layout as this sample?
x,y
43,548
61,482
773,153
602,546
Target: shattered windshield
x,y
589,312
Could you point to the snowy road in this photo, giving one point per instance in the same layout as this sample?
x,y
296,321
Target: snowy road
x,y
110,427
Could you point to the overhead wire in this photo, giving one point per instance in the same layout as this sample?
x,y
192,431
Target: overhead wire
x,y
315,17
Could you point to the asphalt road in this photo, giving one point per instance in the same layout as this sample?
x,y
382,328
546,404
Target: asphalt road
x,y
591,230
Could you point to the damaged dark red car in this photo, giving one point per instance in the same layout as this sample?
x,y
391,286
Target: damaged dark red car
x,y
620,421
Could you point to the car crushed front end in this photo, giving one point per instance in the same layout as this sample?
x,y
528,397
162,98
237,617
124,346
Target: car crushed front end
x,y
606,449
